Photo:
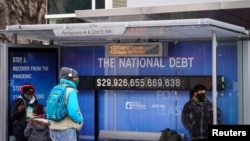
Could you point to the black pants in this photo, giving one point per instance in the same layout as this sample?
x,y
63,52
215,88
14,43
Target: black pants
x,y
18,131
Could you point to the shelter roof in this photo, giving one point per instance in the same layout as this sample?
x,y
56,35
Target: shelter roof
x,y
160,30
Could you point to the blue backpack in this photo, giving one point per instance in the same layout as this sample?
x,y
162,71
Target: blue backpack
x,y
56,106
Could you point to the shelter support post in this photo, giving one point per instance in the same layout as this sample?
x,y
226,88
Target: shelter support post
x,y
4,93
214,80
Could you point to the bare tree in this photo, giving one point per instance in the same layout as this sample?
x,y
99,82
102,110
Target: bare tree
x,y
15,12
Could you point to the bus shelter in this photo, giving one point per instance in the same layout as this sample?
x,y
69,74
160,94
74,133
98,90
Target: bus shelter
x,y
120,32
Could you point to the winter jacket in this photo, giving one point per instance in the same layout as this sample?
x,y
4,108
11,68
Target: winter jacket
x,y
37,129
74,118
196,116
17,117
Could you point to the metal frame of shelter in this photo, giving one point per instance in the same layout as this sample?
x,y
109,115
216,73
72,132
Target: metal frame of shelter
x,y
110,32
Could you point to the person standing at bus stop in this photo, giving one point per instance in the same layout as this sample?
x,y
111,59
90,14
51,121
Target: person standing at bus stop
x,y
67,129
22,109
197,114
37,128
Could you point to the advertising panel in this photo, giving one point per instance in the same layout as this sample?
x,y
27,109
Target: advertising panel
x,y
35,65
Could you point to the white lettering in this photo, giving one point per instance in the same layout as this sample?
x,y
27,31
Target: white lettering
x,y
19,60
100,62
21,68
179,62
216,132
40,96
106,62
35,68
22,76
145,62
45,68
140,62
16,88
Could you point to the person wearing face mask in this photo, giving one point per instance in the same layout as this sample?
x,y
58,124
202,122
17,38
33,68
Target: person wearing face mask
x,y
67,128
197,114
22,109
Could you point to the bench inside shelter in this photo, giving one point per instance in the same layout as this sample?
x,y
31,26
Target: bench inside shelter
x,y
131,135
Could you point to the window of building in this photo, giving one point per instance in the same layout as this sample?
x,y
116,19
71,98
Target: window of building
x,y
69,6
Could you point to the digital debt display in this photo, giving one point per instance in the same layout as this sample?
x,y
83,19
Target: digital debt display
x,y
135,49
148,82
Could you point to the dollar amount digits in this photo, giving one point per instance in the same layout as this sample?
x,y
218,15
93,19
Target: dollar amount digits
x,y
139,83
148,82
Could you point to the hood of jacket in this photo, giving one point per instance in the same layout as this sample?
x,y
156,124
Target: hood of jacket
x,y
68,82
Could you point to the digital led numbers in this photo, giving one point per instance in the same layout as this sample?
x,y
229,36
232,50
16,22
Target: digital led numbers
x,y
149,82
140,83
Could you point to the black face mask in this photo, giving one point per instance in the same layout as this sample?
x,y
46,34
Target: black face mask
x,y
201,96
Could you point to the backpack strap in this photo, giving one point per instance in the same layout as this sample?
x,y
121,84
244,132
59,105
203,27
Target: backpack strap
x,y
68,90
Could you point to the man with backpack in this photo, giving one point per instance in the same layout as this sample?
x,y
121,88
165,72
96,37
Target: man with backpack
x,y
66,128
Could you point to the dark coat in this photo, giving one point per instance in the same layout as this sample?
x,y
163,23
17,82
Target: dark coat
x,y
196,116
20,117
